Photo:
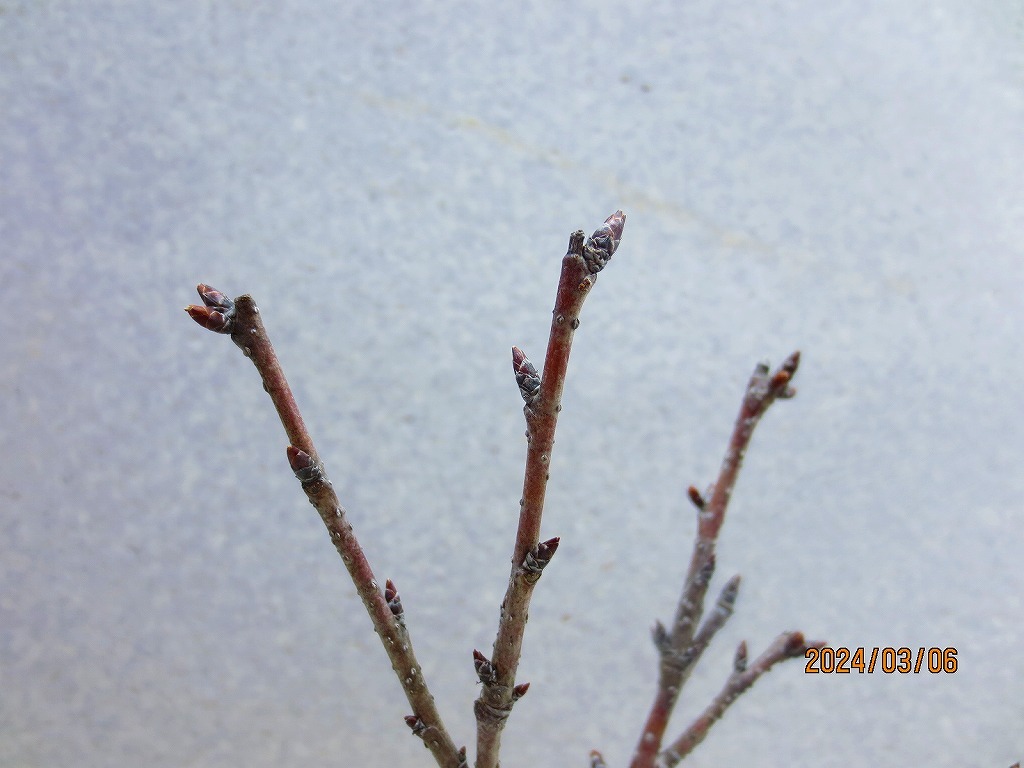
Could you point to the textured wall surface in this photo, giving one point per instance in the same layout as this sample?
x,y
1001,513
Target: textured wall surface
x,y
395,184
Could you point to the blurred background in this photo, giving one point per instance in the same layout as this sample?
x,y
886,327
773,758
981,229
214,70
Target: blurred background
x,y
396,184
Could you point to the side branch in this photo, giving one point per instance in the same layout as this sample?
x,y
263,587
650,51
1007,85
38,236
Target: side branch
x,y
584,259
788,645
678,648
241,319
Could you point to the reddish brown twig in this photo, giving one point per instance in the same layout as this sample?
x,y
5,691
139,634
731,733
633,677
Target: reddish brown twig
x,y
681,647
585,258
241,319
788,645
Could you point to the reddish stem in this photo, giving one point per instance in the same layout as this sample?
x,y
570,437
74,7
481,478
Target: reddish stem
x,y
677,650
579,268
241,319
788,645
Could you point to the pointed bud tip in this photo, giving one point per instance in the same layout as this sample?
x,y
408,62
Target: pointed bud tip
x,y
695,497
617,222
298,459
210,319
792,363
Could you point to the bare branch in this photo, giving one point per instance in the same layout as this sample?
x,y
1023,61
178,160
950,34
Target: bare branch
x,y
241,318
678,648
585,258
788,645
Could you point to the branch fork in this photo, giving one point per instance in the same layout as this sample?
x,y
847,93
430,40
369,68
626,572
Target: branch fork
x,y
679,646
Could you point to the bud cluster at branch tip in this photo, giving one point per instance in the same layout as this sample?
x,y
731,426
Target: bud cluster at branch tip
x,y
217,313
600,246
526,375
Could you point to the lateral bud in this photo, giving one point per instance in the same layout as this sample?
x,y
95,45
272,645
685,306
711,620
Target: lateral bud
x,y
526,375
416,724
302,464
394,601
597,759
484,669
739,661
463,760
537,559
519,691
600,246
695,497
662,639
727,598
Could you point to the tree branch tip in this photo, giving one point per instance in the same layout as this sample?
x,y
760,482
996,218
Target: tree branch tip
x,y
601,246
791,363
796,644
213,298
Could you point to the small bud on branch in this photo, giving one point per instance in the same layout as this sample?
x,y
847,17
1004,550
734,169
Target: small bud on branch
x,y
739,661
662,639
394,601
537,559
302,464
600,246
417,725
484,669
217,313
526,375
695,497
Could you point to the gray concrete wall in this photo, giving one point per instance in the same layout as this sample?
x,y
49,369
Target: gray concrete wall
x,y
396,183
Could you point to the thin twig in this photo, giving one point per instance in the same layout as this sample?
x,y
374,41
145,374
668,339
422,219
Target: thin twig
x,y
241,318
677,648
585,258
788,645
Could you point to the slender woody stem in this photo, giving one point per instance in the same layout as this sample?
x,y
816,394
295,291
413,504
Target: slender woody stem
x,y
584,259
241,318
677,648
788,645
